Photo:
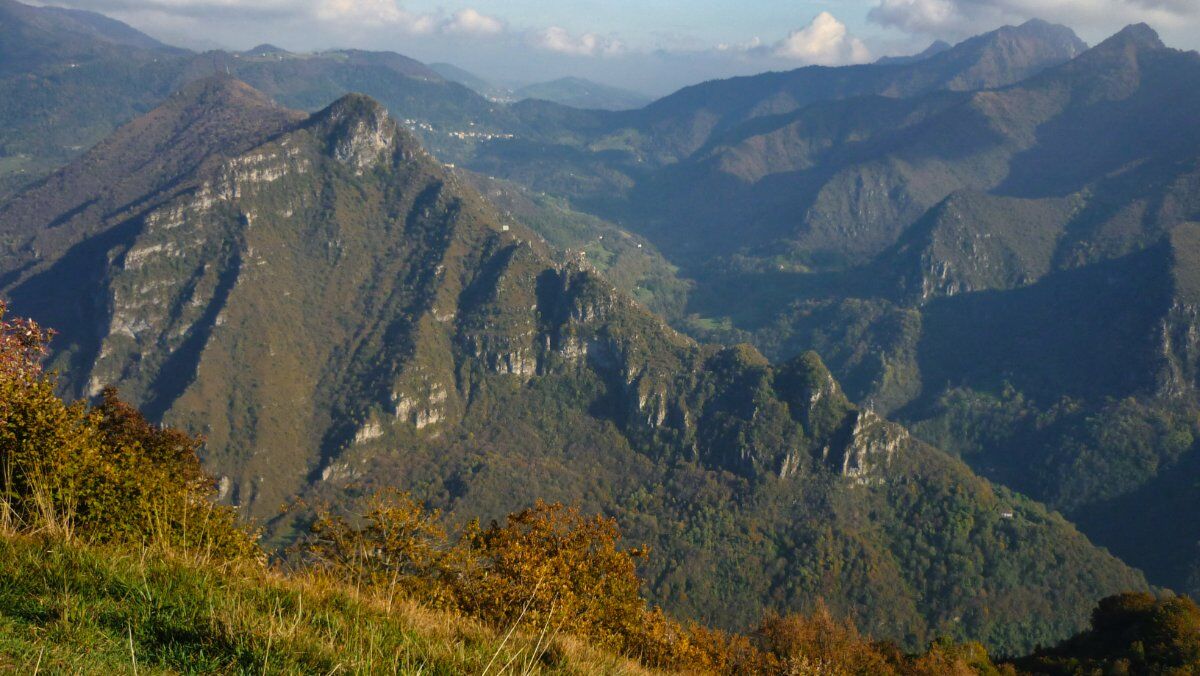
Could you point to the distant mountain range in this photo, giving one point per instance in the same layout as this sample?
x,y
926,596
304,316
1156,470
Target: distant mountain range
x,y
76,76
994,244
987,270
579,93
569,91
997,261
472,81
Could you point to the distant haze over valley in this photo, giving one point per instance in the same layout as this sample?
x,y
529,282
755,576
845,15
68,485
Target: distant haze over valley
x,y
653,49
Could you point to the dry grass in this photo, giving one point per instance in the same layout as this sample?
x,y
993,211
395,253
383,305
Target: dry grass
x,y
69,608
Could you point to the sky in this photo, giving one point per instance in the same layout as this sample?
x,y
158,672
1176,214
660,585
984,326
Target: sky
x,y
650,46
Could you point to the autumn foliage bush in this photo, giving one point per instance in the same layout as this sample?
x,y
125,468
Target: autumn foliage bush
x,y
399,547
101,473
551,569
548,567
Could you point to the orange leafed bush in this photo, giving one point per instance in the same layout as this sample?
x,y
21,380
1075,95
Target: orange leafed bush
x,y
101,473
401,547
550,563
550,568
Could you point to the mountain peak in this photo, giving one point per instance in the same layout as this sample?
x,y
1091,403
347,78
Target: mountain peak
x,y
219,91
1006,55
1054,35
935,48
264,49
360,130
1139,35
354,104
1113,68
1038,24
811,391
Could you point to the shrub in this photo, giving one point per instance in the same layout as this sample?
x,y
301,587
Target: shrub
x,y
548,567
819,643
101,473
401,547
551,565
552,568
1133,632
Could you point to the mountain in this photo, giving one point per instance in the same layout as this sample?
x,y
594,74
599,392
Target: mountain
x,y
435,108
54,119
335,311
836,183
598,158
93,202
1014,291
68,78
568,91
580,93
937,47
999,268
34,38
472,81
678,125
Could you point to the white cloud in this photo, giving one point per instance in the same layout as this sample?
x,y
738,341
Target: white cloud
x,y
753,44
959,18
374,11
917,16
559,40
825,41
390,13
471,22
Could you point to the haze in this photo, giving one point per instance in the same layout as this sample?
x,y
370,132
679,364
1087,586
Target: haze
x,y
649,49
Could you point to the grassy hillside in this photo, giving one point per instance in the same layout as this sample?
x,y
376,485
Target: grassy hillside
x,y
68,607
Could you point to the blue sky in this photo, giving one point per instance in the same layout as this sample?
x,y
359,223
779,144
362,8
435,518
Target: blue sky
x,y
650,24
653,46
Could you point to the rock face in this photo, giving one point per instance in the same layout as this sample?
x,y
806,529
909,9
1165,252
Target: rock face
x,y
869,448
857,444
336,313
1179,341
978,242
363,132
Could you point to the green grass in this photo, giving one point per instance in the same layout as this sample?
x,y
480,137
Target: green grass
x,y
67,608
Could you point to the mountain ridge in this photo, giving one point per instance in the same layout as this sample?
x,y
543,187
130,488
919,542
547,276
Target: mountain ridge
x,y
582,93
